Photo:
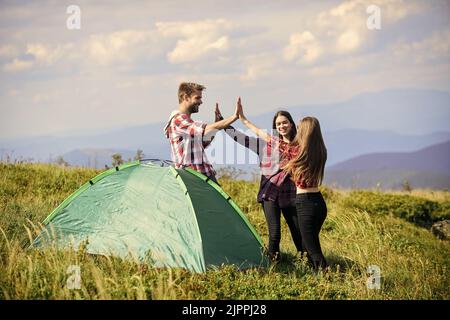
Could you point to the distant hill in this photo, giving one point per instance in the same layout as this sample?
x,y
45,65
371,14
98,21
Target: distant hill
x,y
95,158
405,111
148,138
425,168
346,144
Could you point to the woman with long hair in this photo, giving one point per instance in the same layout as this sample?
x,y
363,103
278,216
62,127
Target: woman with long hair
x,y
307,170
277,192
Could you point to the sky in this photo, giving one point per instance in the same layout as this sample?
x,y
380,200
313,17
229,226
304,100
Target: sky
x,y
122,66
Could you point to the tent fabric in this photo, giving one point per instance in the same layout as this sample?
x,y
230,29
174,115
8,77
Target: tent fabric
x,y
161,215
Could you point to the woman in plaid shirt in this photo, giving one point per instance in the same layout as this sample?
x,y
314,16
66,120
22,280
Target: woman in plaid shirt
x,y
277,191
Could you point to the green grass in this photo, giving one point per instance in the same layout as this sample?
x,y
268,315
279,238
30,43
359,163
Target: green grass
x,y
362,228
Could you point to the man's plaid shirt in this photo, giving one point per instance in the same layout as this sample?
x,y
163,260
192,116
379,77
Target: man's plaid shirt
x,y
187,144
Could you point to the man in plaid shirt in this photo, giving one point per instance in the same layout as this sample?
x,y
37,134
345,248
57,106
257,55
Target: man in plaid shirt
x,y
189,138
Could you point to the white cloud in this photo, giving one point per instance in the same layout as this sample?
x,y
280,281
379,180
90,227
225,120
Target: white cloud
x,y
303,47
430,49
293,48
391,10
342,29
196,48
116,48
348,41
396,10
196,40
18,65
43,55
345,8
259,66
39,51
121,46
8,51
254,70
336,31
48,55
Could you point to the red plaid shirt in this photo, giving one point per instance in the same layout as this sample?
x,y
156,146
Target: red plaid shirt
x,y
187,144
280,179
275,184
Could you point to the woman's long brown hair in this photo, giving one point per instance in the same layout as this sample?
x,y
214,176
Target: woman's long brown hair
x,y
310,161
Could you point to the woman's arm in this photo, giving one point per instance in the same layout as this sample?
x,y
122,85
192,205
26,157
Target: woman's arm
x,y
258,131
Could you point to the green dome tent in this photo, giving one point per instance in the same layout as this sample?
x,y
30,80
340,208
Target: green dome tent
x,y
158,214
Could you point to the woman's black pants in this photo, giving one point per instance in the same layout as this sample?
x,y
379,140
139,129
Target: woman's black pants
x,y
272,211
311,213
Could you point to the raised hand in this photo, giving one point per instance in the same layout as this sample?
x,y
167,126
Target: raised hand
x,y
240,110
218,115
236,111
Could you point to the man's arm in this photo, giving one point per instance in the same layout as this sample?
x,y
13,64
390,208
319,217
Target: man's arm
x,y
222,124
219,125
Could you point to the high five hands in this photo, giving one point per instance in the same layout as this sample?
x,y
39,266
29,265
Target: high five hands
x,y
238,113
240,110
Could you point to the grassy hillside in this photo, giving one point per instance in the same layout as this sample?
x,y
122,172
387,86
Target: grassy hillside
x,y
362,229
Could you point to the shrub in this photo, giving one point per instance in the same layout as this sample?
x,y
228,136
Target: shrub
x,y
414,209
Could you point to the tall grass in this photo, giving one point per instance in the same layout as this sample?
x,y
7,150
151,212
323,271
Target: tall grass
x,y
413,263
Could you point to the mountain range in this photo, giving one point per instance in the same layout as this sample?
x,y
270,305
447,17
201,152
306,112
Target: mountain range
x,y
391,121
425,168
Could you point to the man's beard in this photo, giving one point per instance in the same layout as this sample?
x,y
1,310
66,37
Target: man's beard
x,y
194,108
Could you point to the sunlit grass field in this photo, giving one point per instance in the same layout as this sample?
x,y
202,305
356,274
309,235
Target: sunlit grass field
x,y
363,228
